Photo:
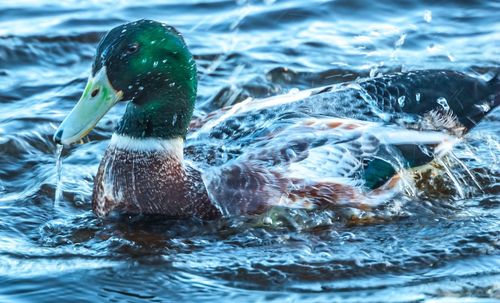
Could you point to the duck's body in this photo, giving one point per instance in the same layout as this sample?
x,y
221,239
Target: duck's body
x,y
314,148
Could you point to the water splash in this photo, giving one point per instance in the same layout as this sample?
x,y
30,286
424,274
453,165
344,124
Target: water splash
x,y
466,170
447,168
428,16
400,41
58,193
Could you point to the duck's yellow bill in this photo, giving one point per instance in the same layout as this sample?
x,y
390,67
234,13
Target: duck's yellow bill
x,y
97,99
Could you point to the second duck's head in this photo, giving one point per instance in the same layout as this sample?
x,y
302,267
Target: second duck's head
x,y
148,64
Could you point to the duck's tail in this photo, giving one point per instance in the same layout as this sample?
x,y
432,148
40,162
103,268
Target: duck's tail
x,y
480,108
436,93
470,99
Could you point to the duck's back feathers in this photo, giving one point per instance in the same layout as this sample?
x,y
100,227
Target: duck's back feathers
x,y
406,99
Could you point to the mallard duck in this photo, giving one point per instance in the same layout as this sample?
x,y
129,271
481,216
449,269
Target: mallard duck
x,y
334,145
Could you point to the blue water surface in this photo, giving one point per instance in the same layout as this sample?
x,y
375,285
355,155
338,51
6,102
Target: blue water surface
x,y
441,245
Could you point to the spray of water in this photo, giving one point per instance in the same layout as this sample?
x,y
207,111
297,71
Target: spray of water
x,y
447,168
58,193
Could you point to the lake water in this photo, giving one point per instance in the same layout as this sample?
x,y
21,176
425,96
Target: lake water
x,y
441,245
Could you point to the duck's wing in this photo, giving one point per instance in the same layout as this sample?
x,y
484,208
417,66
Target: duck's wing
x,y
320,160
396,98
438,100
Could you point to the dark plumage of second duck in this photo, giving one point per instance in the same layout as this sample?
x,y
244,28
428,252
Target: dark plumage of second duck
x,y
322,147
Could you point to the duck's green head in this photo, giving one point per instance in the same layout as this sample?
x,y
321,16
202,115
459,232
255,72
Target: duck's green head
x,y
148,64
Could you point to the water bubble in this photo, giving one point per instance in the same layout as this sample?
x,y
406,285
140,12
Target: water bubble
x,y
155,64
417,97
141,87
443,102
428,16
401,101
164,61
267,220
124,30
450,57
290,153
130,87
172,84
400,41
153,42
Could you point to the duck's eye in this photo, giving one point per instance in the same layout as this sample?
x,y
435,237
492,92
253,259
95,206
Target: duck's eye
x,y
132,48
94,92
